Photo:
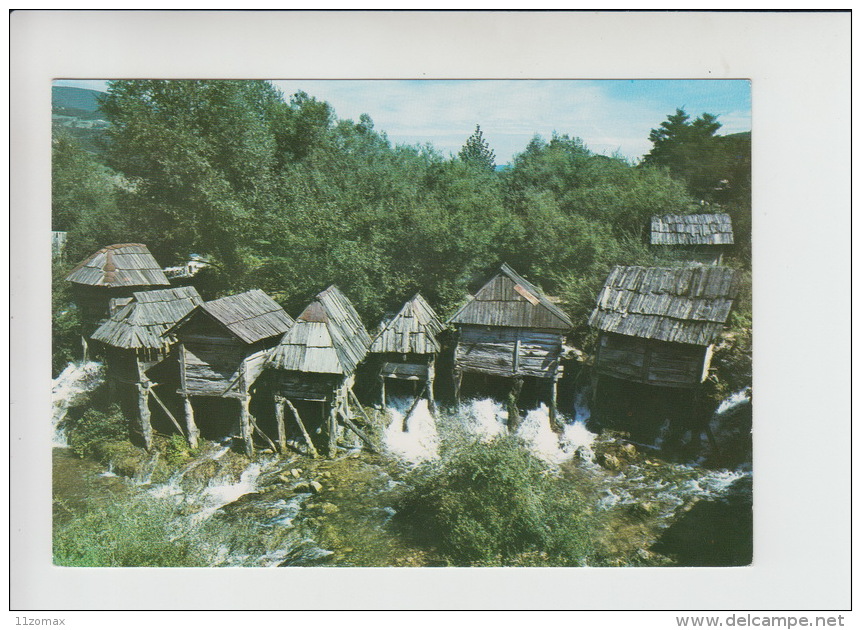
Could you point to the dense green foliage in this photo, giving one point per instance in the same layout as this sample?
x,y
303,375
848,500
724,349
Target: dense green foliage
x,y
65,322
130,533
495,504
285,197
96,427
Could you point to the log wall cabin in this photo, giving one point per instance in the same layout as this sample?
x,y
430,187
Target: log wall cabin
x,y
315,362
133,343
509,328
407,346
222,348
703,238
658,325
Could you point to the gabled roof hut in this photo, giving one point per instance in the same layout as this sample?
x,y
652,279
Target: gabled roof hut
x,y
704,236
315,361
408,345
510,329
222,348
115,271
134,341
658,325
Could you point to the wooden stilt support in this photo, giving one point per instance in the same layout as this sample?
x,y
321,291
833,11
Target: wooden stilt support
x,y
383,391
245,424
279,420
166,410
458,378
257,428
553,401
413,407
431,375
333,429
368,442
513,410
85,348
192,434
144,415
355,398
307,437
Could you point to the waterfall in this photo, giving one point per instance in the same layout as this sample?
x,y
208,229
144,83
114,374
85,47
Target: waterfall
x,y
71,388
484,418
420,441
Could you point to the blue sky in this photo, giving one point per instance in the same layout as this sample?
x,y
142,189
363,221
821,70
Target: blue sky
x,y
609,116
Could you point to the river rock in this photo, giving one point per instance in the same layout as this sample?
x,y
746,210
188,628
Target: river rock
x,y
316,487
629,451
609,461
328,508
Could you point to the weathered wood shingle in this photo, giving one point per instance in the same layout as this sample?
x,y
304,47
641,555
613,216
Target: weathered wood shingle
x,y
328,338
413,330
143,322
692,229
510,300
682,305
123,265
251,316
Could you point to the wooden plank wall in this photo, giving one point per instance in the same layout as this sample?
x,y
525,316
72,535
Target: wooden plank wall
x,y
508,351
212,364
651,362
303,386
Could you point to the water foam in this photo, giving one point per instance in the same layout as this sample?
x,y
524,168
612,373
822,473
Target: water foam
x,y
420,441
70,388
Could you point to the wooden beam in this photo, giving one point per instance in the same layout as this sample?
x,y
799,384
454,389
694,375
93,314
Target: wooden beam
x,y
166,410
513,410
431,375
260,431
553,401
368,442
333,429
279,419
245,425
192,433
383,391
413,407
302,428
359,405
144,415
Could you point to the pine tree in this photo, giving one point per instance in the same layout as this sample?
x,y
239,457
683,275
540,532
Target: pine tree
x,y
476,151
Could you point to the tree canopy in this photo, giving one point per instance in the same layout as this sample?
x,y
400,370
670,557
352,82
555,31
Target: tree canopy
x,y
477,151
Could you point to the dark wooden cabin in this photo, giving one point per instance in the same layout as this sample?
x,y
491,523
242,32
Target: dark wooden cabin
x,y
408,345
511,329
106,280
134,342
702,237
316,361
222,347
658,325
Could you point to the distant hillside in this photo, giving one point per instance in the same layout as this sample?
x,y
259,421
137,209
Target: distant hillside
x,y
76,112
79,99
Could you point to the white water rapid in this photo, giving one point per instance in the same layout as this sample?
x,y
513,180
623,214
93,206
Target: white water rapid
x,y
420,441
71,388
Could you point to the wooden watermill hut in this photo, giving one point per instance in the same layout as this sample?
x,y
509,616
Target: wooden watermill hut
x,y
511,329
106,280
316,361
703,237
134,342
408,345
222,347
658,325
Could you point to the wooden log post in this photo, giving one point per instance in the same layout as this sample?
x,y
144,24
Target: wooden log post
x,y
191,430
458,378
144,415
279,420
554,424
307,437
383,391
412,408
245,424
333,429
513,410
431,375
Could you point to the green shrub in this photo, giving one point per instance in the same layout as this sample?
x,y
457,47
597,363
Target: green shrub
x,y
96,427
176,450
130,533
494,504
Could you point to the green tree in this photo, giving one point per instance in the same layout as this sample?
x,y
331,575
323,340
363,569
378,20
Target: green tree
x,y
477,151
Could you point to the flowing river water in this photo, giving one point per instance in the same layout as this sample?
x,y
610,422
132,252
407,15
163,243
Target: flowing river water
x,y
291,510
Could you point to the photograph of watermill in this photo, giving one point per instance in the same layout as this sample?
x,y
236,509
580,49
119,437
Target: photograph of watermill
x,y
402,323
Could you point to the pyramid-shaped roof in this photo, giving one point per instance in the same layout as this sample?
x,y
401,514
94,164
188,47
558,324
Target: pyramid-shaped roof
x,y
122,265
328,338
413,330
510,300
142,322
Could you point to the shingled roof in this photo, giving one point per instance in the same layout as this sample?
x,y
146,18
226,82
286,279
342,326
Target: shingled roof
x,y
681,304
141,323
413,330
328,337
508,299
692,229
251,316
123,265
